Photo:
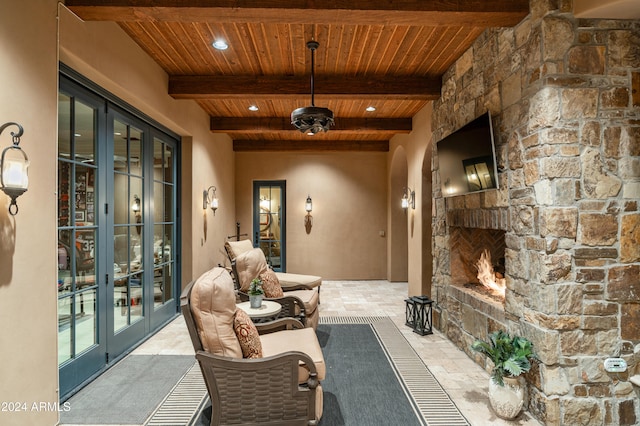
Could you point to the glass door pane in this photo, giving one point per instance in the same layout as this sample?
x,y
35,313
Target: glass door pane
x,y
164,231
80,344
269,221
128,229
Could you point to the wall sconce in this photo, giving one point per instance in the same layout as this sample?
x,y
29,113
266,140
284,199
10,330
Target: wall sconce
x,y
308,219
210,201
135,206
308,205
408,198
14,162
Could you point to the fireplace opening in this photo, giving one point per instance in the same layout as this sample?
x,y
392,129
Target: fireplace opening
x,y
478,261
491,279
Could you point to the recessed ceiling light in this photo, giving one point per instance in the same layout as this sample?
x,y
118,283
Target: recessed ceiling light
x,y
220,44
253,108
370,108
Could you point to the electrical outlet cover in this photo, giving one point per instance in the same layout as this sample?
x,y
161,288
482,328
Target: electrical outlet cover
x,y
615,365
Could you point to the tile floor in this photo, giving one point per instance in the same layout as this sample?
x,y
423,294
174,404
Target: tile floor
x,y
464,381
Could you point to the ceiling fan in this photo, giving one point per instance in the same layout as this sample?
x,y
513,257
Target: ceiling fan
x,y
312,119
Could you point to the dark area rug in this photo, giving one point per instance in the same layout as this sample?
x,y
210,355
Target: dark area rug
x,y
361,387
374,377
129,392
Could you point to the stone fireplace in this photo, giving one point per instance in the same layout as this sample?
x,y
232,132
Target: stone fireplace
x,y
564,94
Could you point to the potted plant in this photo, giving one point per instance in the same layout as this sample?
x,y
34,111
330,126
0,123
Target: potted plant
x,y
511,357
255,293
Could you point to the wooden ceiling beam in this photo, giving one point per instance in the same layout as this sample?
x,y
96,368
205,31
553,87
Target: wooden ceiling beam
x,y
494,13
225,87
278,124
310,145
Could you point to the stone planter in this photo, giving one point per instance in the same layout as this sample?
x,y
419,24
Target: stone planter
x,y
255,301
507,400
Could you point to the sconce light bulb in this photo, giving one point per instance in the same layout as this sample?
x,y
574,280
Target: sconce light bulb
x,y
135,206
408,199
14,174
308,205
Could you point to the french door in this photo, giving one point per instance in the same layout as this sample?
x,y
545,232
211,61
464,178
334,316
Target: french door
x,y
116,232
269,221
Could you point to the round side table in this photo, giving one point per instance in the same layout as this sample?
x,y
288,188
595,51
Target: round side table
x,y
266,310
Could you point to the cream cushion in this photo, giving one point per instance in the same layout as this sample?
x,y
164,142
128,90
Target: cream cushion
x,y
288,279
250,265
213,305
234,248
309,298
304,340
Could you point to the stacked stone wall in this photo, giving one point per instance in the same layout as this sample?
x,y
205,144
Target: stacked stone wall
x,y
564,94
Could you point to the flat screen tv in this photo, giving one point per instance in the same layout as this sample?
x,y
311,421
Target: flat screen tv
x,y
467,159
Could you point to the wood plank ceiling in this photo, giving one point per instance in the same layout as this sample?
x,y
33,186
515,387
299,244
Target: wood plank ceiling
x,y
389,54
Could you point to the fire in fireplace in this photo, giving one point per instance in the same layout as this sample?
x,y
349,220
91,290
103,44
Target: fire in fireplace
x,y
488,277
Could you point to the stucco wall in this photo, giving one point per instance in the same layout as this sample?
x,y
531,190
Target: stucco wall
x,y
28,95
417,148
349,209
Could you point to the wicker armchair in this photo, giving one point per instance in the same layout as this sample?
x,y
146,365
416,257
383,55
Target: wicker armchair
x,y
301,304
288,280
282,388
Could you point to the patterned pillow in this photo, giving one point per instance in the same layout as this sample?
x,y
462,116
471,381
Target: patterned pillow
x,y
247,334
271,284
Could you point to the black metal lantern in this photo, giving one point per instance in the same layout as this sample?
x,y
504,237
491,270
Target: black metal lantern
x,y
409,312
422,314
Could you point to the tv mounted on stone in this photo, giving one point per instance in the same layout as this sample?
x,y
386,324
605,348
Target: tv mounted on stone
x,y
467,160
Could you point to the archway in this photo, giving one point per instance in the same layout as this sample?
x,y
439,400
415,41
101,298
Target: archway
x,y
397,246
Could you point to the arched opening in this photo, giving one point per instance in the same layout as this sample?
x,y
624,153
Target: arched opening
x,y
397,248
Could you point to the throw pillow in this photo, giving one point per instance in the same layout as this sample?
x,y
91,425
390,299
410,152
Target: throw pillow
x,y
236,248
271,284
248,266
247,334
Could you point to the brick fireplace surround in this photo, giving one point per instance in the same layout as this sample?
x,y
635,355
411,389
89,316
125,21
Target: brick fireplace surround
x,y
564,94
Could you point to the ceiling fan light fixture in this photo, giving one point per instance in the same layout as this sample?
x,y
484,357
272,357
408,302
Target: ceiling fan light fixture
x,y
312,119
